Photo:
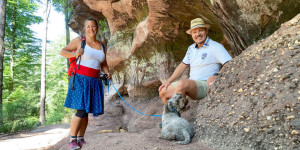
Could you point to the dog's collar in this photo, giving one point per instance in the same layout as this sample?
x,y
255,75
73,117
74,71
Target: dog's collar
x,y
174,111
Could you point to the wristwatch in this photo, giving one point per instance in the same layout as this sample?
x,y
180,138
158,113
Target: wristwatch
x,y
216,74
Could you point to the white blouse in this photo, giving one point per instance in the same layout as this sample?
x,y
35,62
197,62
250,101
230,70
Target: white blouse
x,y
92,58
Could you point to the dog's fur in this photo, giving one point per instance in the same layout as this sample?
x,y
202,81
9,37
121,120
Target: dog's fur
x,y
173,126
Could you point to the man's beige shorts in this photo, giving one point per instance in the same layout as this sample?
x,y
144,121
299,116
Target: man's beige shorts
x,y
201,88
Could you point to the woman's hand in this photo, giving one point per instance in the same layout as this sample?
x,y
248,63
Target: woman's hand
x,y
108,76
165,85
79,52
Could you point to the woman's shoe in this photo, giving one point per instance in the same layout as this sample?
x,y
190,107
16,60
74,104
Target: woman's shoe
x,y
73,145
81,142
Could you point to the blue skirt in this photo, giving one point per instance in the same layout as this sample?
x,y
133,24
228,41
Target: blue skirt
x,y
87,95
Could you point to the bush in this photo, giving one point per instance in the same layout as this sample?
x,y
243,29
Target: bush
x,y
20,110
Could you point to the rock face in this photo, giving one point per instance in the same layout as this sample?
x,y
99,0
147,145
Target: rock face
x,y
246,22
147,38
256,107
82,12
254,104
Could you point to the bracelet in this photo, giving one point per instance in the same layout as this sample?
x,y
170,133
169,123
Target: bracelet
x,y
74,53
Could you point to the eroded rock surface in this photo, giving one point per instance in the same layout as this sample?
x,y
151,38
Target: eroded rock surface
x,y
246,22
147,37
255,104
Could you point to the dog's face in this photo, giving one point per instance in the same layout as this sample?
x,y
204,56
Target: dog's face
x,y
178,103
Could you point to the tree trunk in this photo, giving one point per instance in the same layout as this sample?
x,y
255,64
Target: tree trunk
x,y
2,34
12,48
67,30
66,12
43,73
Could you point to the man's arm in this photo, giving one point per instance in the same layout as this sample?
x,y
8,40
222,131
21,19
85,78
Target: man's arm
x,y
225,64
176,74
211,79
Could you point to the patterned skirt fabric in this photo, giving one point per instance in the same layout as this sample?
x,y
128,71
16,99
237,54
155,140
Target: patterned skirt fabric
x,y
87,94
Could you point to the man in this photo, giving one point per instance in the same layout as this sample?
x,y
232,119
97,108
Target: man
x,y
204,58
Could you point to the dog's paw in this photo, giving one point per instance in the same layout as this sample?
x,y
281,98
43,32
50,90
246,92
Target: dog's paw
x,y
182,142
187,107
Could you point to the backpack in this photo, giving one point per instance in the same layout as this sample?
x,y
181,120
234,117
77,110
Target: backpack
x,y
73,60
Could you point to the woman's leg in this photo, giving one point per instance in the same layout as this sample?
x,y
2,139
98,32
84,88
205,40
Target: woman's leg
x,y
82,129
75,126
74,129
83,126
78,122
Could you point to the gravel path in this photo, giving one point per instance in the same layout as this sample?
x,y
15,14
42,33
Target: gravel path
x,y
40,138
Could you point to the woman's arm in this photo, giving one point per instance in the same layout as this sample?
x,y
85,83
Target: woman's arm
x,y
68,51
104,66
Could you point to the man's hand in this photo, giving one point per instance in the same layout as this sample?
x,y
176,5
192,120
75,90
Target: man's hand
x,y
166,84
211,80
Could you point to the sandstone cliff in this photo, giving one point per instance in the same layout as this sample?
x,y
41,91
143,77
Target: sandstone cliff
x,y
254,104
147,39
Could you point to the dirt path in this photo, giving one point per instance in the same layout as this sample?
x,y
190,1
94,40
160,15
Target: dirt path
x,y
143,131
40,138
56,137
147,139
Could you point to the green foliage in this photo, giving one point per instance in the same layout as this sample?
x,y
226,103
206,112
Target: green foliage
x,y
64,6
103,26
20,110
24,18
60,5
27,50
21,106
103,29
21,124
57,83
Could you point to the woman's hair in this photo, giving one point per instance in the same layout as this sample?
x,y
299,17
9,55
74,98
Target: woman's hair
x,y
91,19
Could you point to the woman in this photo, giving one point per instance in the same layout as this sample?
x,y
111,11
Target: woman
x,y
87,95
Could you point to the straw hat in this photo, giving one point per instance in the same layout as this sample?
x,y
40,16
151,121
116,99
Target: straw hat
x,y
197,23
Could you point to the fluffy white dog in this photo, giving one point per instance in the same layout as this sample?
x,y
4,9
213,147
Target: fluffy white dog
x,y
173,126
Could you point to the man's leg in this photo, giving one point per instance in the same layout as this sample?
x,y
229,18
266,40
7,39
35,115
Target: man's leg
x,y
166,94
183,87
186,87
